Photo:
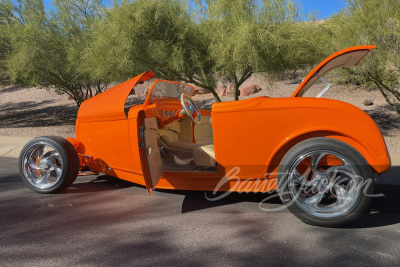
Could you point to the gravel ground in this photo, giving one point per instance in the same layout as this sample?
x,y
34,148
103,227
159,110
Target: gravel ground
x,y
32,111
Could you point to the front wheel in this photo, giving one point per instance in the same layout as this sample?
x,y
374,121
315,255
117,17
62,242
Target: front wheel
x,y
48,164
325,182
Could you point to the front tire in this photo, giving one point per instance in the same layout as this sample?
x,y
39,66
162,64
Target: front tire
x,y
325,182
48,164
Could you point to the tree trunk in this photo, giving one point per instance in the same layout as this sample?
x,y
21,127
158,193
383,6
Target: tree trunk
x,y
239,82
237,92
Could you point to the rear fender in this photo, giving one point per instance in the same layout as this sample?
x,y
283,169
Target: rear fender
x,y
286,145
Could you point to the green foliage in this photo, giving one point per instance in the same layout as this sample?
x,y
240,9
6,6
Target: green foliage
x,y
258,36
79,46
4,49
201,42
377,23
159,35
46,48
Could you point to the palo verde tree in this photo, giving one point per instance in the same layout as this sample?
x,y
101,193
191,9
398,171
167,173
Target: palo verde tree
x,y
160,35
79,46
378,23
249,36
244,37
46,47
5,31
201,41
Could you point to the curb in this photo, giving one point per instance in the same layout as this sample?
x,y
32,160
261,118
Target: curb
x,y
11,146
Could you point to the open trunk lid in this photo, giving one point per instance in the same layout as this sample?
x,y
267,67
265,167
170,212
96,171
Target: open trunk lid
x,y
345,58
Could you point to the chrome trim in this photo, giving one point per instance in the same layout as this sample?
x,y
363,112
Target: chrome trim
x,y
325,82
87,173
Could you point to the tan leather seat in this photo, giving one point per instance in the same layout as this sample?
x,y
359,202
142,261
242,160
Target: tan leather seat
x,y
204,156
183,145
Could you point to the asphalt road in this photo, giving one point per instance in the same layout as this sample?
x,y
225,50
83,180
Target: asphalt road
x,y
105,221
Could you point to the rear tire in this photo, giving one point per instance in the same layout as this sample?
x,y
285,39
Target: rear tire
x,y
48,164
329,195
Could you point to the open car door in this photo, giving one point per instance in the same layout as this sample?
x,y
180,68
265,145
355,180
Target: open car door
x,y
149,153
345,58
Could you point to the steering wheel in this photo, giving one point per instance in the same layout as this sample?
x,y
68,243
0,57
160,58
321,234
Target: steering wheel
x,y
188,107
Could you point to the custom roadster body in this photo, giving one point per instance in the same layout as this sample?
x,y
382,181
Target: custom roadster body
x,y
319,153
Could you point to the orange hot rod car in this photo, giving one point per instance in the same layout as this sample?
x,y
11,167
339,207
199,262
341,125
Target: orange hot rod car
x,y
320,154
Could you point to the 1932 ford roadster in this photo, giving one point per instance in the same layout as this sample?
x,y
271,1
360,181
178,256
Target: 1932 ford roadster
x,y
320,154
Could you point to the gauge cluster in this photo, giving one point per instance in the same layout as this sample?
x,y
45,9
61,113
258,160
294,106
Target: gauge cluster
x,y
166,114
165,111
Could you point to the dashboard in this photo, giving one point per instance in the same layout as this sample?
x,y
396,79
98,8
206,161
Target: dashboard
x,y
166,111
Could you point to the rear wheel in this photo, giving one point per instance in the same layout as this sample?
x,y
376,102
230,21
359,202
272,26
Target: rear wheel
x,y
48,164
325,182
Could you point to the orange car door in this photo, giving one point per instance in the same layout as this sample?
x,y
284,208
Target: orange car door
x,y
149,153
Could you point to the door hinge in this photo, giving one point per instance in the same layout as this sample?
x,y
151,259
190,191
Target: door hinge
x,y
141,132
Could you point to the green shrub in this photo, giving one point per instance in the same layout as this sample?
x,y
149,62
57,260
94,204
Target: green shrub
x,y
377,23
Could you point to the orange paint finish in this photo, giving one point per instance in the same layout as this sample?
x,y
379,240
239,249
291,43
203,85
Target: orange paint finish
x,y
109,105
108,143
178,181
271,123
250,136
77,145
155,110
304,85
205,112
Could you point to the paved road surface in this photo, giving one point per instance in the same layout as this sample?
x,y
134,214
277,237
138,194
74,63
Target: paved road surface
x,y
105,221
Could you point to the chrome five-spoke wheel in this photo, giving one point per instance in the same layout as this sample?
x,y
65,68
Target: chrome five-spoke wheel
x,y
48,164
42,165
325,182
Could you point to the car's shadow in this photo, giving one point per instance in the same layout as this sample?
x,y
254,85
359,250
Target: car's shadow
x,y
385,210
199,200
98,184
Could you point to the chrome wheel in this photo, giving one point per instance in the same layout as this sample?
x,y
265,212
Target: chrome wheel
x,y
324,183
42,165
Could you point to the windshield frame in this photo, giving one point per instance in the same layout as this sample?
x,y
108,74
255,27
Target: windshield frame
x,y
147,101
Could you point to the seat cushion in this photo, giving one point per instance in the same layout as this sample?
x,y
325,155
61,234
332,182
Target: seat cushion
x,y
183,145
204,156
